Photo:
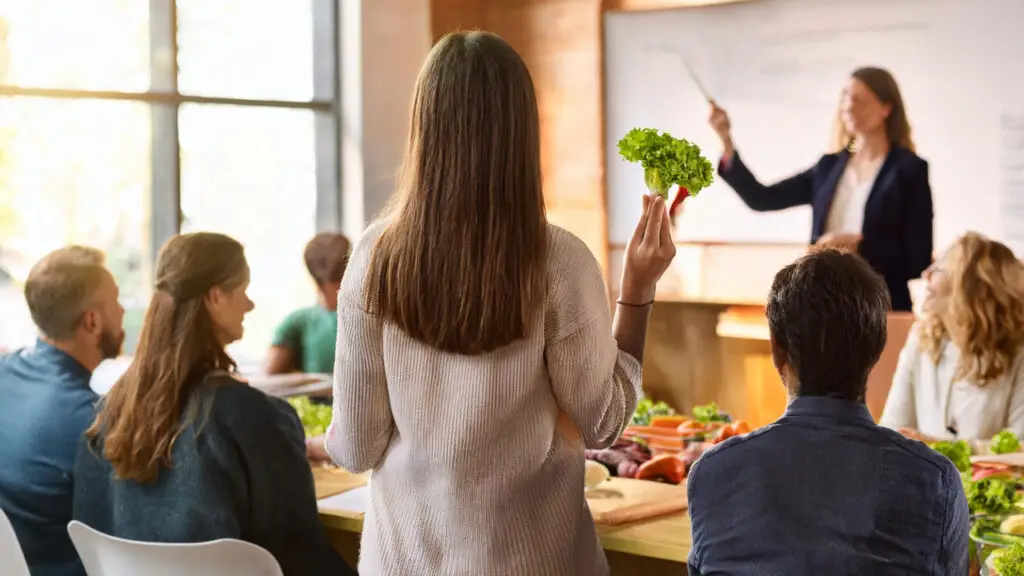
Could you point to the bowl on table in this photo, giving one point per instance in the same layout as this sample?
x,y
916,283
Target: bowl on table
x,y
992,532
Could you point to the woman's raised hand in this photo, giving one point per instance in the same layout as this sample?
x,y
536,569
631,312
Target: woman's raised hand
x,y
648,253
719,122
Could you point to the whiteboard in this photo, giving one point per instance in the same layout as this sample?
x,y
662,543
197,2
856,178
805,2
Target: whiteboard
x,y
778,66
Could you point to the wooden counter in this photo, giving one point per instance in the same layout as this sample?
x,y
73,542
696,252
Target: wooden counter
x,y
639,548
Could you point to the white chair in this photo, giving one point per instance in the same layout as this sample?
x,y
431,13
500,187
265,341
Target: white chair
x,y
104,555
12,559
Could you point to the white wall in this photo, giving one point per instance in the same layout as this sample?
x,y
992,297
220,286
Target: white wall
x,y
383,45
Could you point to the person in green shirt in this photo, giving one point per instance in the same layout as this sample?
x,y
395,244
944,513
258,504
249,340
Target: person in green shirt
x,y
304,342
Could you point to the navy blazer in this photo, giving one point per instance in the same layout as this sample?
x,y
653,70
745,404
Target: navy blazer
x,y
897,231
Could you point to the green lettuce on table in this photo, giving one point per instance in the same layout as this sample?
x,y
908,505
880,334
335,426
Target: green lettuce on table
x,y
315,418
958,452
666,161
1004,442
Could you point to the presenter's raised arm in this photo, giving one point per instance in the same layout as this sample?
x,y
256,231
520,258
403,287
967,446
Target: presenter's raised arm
x,y
793,191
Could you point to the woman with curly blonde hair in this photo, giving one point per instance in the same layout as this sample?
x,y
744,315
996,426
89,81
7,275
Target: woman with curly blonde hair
x,y
959,374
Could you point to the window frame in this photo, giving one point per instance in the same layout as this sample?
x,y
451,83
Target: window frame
x,y
165,98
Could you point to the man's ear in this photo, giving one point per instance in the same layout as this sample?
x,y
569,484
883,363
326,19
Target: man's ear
x,y
91,322
778,357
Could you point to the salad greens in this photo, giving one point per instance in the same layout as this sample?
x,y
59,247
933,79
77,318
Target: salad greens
x,y
991,495
1005,442
709,413
958,451
1010,561
666,161
647,408
315,417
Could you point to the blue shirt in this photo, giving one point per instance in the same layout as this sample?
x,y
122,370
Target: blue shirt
x,y
824,490
45,406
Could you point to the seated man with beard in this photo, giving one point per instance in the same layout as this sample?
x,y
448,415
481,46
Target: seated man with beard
x,y
46,403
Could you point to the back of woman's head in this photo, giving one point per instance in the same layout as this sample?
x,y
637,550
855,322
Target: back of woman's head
x,y
178,346
981,293
461,265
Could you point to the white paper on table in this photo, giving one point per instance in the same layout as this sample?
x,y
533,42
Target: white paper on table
x,y
354,500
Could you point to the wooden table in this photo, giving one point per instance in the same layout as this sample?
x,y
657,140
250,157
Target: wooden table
x,y
656,546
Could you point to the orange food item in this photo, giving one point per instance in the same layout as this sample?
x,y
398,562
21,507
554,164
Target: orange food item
x,y
667,467
668,421
691,426
737,428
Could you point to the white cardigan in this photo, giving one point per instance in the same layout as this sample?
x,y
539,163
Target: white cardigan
x,y
924,397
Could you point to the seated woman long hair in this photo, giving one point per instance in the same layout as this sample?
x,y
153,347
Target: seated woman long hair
x,y
960,373
476,355
180,451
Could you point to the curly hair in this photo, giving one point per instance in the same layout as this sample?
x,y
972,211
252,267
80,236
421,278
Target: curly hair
x,y
986,304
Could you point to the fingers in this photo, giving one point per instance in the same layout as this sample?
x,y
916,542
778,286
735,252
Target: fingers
x,y
666,229
638,234
655,217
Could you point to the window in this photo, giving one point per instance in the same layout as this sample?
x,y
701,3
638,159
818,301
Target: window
x,y
123,122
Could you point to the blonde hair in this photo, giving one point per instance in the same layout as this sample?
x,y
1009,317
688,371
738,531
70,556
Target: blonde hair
x,y
986,304
60,289
897,127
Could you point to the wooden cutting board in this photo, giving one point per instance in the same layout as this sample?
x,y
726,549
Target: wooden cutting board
x,y
618,494
331,481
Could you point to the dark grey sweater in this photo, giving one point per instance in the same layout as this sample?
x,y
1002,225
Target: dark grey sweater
x,y
239,470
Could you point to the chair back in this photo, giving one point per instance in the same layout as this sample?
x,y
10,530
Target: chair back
x,y
104,555
12,559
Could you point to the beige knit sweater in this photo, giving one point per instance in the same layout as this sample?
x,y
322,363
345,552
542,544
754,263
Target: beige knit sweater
x,y
477,469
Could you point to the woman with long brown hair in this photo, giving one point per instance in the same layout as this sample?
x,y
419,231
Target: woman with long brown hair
x,y
960,373
476,354
183,452
870,194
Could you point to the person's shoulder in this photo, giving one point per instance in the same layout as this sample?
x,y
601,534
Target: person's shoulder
x,y
916,451
237,404
568,256
737,448
909,160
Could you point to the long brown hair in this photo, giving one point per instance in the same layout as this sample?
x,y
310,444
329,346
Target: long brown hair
x,y
897,127
462,264
141,415
986,304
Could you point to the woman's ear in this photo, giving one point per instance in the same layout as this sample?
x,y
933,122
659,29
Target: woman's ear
x,y
213,298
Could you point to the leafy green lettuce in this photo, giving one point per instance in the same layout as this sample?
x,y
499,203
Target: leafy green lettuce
x,y
1010,562
708,413
991,495
647,409
959,452
666,161
1005,442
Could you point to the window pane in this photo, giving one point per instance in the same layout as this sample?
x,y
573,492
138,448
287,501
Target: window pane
x,y
250,173
260,49
75,44
73,171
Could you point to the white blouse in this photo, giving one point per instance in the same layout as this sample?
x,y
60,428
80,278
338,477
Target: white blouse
x,y
924,397
846,215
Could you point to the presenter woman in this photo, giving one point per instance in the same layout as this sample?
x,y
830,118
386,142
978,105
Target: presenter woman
x,y
870,194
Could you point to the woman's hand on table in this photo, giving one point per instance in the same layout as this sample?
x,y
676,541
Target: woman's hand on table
x,y
315,449
915,435
848,242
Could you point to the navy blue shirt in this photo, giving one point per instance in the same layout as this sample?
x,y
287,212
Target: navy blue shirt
x,y
45,406
824,490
